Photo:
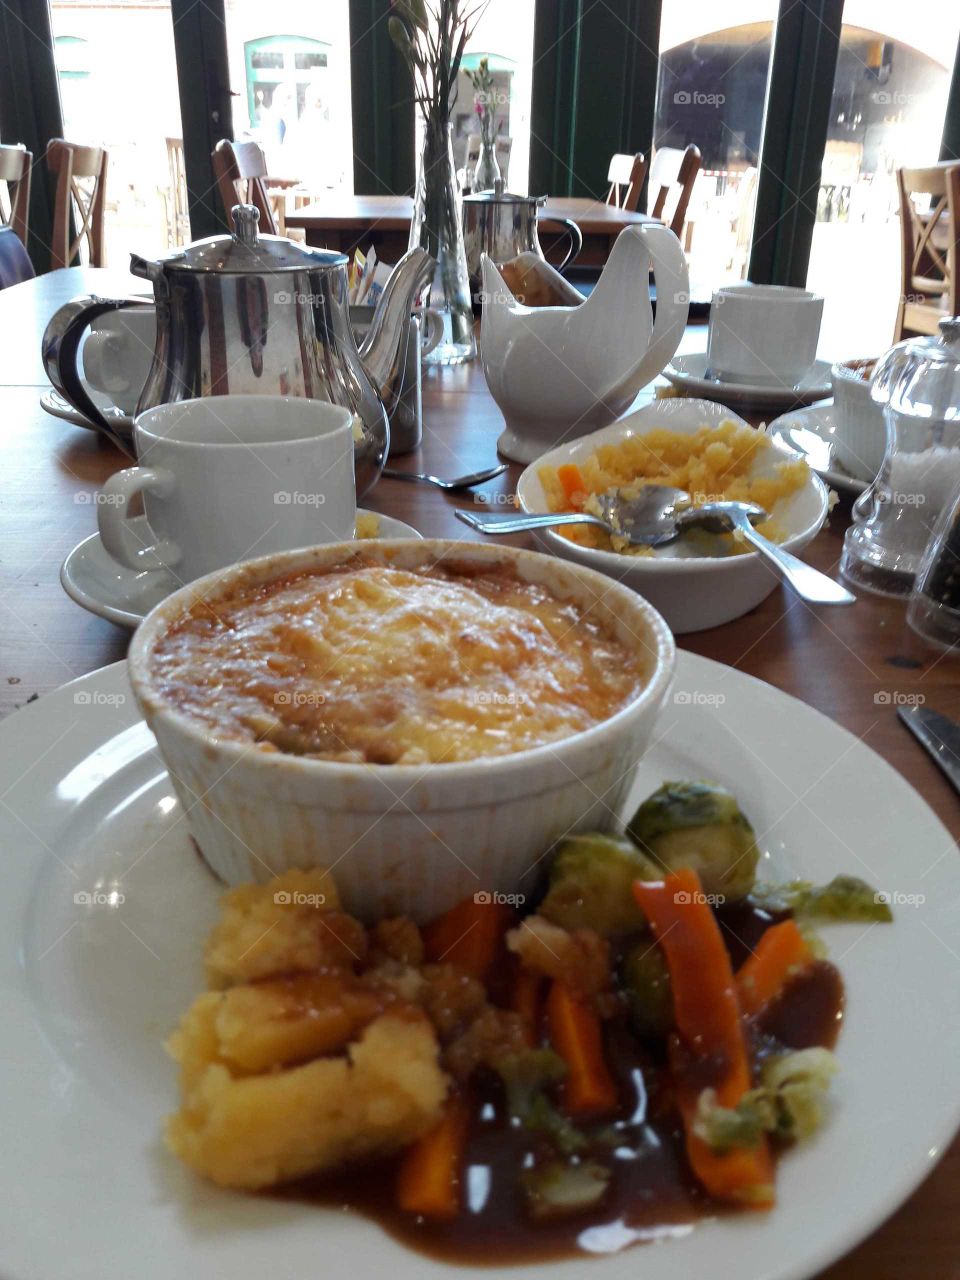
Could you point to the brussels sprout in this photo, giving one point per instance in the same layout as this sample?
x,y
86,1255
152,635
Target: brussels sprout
x,y
698,825
646,979
556,1189
845,899
590,884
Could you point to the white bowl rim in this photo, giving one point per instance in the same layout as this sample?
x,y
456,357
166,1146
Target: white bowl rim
x,y
162,614
614,561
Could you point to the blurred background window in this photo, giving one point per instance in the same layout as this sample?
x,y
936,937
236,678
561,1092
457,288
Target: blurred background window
x,y
711,91
887,111
118,89
290,74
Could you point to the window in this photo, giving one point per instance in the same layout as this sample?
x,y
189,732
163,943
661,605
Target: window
x,y
711,92
118,89
887,110
291,79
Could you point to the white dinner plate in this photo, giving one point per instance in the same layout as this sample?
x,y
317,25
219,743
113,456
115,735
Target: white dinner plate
x,y
690,373
104,912
811,433
107,588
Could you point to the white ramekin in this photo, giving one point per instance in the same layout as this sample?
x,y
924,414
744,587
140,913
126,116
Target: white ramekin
x,y
861,436
405,839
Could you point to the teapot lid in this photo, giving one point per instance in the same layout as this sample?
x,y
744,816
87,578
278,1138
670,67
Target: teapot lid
x,y
247,252
499,195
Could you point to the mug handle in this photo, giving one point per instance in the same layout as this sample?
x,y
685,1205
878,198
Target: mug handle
x,y
61,348
576,240
432,330
117,537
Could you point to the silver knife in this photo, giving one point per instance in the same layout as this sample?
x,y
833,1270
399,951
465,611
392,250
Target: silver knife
x,y
939,734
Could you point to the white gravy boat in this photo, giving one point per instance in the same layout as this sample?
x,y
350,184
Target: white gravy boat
x,y
558,373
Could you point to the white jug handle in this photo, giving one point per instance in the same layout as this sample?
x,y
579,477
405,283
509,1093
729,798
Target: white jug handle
x,y
118,539
672,278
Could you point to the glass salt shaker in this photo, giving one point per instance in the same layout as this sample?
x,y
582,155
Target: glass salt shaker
x,y
918,384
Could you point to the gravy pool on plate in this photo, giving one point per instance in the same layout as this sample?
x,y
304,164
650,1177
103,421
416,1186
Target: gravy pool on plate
x,y
371,663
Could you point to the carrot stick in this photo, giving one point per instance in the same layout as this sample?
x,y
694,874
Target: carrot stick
x,y
709,1028
576,1035
428,1181
780,953
572,482
469,935
525,1000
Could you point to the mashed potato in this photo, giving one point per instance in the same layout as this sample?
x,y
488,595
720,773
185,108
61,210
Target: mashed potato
x,y
712,464
297,1063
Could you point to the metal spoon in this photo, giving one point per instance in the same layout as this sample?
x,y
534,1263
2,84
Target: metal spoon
x,y
648,519
458,482
721,517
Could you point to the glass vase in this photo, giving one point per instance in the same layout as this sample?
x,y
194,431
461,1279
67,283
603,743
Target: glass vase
x,y
437,226
487,171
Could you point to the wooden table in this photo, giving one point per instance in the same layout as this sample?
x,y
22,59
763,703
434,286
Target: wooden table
x,y
348,222
837,661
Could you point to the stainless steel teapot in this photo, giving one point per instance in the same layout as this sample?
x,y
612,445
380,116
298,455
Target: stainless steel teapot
x,y
252,314
502,226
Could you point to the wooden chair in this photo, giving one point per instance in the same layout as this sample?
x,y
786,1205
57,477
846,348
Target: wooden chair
x,y
15,166
240,169
628,172
81,192
930,285
673,168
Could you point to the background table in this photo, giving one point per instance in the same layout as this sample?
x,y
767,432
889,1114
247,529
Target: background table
x,y
852,664
348,222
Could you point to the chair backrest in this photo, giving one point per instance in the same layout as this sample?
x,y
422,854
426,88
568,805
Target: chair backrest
x,y
627,172
81,189
240,168
673,168
15,264
929,240
15,167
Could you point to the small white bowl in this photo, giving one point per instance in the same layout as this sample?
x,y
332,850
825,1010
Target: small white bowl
x,y
692,592
861,436
402,838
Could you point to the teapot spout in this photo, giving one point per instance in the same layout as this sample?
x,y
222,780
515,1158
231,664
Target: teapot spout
x,y
385,347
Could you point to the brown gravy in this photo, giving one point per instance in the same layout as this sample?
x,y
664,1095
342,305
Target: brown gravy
x,y
652,1193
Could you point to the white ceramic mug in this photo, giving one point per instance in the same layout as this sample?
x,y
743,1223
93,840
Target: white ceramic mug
x,y
763,334
226,478
118,352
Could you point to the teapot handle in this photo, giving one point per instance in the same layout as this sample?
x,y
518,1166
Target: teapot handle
x,y
61,348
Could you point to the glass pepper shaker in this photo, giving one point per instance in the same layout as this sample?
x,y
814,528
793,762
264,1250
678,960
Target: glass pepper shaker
x,y
918,384
934,609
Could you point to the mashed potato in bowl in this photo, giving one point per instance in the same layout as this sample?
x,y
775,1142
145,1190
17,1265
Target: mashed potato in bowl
x,y
715,463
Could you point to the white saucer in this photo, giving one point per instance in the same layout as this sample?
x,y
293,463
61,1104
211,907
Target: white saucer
x,y
55,404
99,584
690,373
811,433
